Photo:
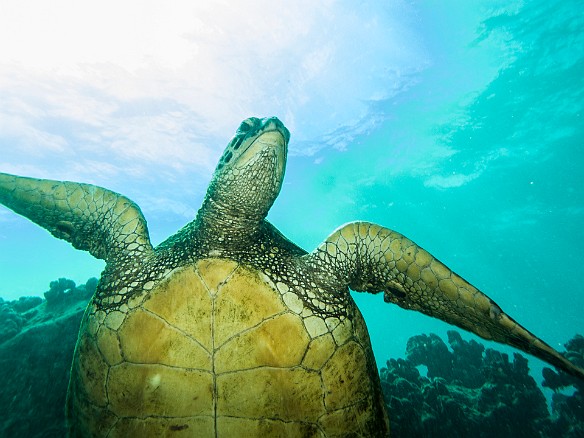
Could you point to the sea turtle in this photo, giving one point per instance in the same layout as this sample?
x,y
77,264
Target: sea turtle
x,y
228,329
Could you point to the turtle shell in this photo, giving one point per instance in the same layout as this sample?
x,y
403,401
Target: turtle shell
x,y
216,349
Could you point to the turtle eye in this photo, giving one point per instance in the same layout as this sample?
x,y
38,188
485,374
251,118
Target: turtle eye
x,y
247,124
244,127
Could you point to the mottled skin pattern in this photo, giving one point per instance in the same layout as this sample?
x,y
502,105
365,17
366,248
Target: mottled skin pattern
x,y
229,329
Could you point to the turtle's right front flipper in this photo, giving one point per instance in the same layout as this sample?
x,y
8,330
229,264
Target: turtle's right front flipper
x,y
368,257
105,223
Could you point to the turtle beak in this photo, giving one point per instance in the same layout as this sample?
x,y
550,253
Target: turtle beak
x,y
271,137
274,124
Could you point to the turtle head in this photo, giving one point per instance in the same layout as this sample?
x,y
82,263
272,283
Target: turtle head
x,y
249,175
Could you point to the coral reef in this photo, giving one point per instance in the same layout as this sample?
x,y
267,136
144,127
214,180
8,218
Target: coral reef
x,y
13,315
64,289
37,338
470,391
567,411
10,321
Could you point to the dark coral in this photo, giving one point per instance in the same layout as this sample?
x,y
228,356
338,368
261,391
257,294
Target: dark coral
x,y
65,290
568,411
37,339
470,391
58,289
11,321
24,304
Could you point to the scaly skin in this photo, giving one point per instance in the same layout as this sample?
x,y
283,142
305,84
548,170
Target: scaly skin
x,y
108,225
371,258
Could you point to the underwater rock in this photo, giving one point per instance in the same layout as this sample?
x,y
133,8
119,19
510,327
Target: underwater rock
x,y
10,321
429,350
58,289
25,303
470,391
37,338
567,411
13,315
64,289
574,352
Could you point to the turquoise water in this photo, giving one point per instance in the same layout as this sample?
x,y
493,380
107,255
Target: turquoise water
x,y
476,156
489,181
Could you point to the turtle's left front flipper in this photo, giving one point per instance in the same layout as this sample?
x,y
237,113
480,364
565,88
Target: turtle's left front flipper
x,y
105,223
367,257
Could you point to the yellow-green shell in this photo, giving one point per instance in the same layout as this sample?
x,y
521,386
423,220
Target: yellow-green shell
x,y
217,350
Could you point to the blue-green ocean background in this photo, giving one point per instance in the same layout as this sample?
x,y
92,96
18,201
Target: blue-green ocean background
x,y
478,159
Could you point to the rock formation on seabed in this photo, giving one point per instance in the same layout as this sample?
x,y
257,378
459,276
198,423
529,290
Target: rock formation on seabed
x,y
470,391
37,338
